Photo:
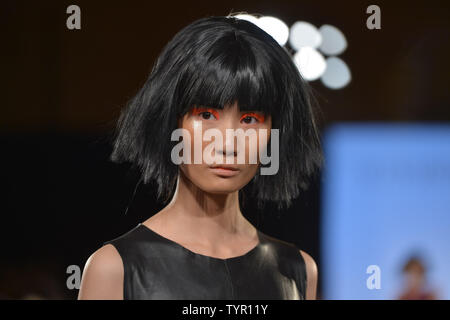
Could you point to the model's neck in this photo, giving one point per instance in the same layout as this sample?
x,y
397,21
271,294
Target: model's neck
x,y
205,212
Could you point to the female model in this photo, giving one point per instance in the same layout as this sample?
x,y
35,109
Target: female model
x,y
217,73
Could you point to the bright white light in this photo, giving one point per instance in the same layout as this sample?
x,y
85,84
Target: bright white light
x,y
275,27
304,34
310,63
333,40
247,17
337,74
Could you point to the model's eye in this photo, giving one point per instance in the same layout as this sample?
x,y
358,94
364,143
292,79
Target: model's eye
x,y
206,115
251,118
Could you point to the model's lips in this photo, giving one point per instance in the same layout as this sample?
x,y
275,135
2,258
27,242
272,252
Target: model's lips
x,y
225,166
224,170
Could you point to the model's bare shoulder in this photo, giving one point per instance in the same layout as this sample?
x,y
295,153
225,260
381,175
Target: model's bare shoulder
x,y
103,274
311,276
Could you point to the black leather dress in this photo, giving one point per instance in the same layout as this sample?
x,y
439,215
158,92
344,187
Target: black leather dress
x,y
156,267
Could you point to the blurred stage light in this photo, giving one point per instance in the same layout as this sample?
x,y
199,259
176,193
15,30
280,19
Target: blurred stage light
x,y
304,34
275,27
333,40
310,45
307,40
310,63
337,74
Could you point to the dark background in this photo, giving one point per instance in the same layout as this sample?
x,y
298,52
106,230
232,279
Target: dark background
x,y
62,91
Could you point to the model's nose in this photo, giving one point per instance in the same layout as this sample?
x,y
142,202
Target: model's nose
x,y
229,148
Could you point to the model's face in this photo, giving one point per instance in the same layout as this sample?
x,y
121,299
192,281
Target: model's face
x,y
210,177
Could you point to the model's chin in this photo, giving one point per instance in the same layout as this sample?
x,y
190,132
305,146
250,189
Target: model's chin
x,y
217,181
221,185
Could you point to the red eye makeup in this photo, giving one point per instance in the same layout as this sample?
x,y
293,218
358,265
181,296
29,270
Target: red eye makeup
x,y
257,116
199,110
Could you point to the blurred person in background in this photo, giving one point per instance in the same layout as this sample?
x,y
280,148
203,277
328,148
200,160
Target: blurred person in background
x,y
415,288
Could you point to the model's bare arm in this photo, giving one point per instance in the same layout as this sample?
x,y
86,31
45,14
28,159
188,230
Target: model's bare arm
x,y
102,276
311,276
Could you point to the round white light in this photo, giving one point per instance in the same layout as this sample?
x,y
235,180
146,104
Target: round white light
x,y
333,40
304,34
337,74
275,27
310,63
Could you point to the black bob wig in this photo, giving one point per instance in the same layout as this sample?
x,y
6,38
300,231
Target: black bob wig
x,y
216,61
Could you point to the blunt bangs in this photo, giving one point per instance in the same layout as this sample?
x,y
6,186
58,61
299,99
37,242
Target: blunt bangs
x,y
227,69
215,62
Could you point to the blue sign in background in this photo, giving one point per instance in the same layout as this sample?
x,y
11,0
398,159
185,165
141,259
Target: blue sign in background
x,y
385,197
